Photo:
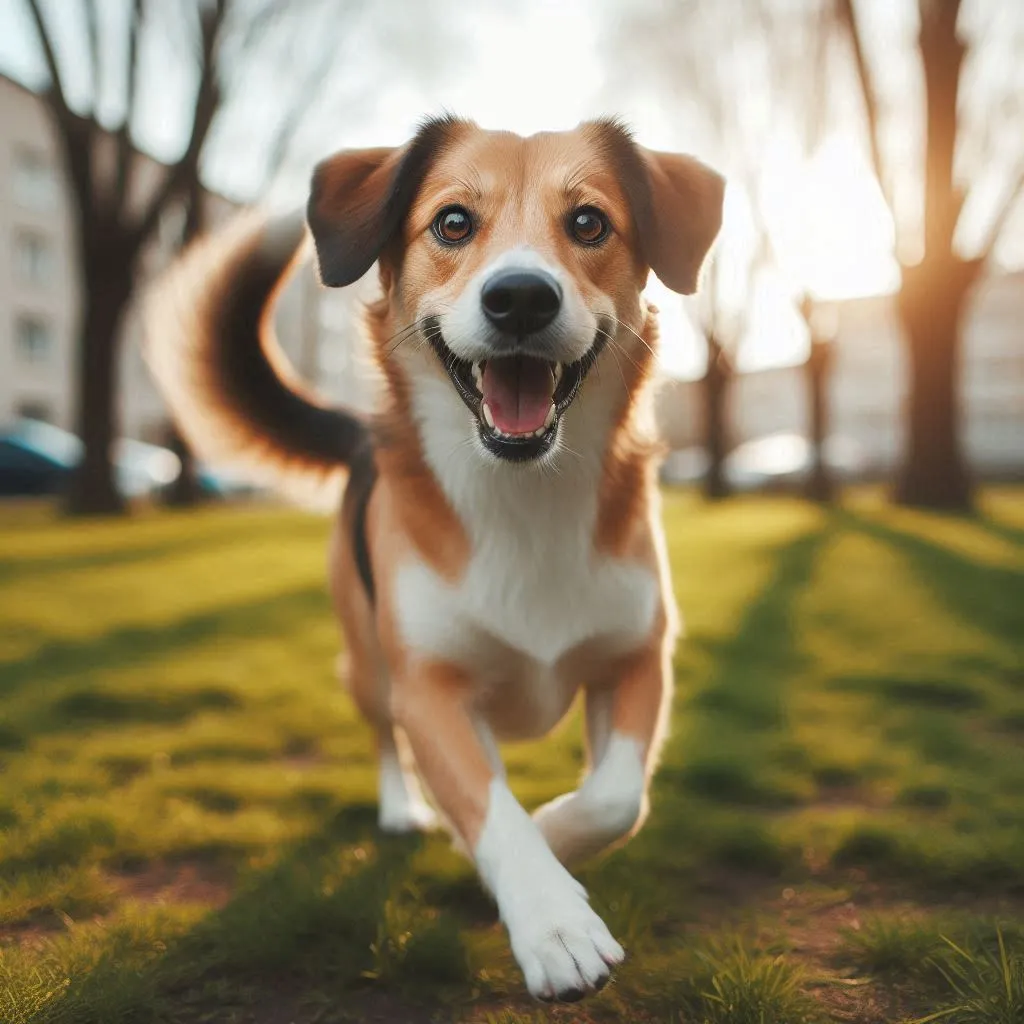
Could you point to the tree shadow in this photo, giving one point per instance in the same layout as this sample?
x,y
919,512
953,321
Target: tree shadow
x,y
316,924
72,659
1004,531
724,769
213,536
989,598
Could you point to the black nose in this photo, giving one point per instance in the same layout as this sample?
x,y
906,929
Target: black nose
x,y
521,301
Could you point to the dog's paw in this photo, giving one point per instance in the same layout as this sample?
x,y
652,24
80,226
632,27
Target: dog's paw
x,y
399,817
564,949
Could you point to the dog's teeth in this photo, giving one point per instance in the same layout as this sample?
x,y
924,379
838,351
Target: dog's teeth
x,y
488,417
558,373
549,419
540,432
478,377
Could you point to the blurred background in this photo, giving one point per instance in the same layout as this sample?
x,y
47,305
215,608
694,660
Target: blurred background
x,y
860,319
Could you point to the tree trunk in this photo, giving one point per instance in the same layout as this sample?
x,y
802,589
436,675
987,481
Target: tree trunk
x,y
820,486
716,383
185,490
93,488
932,303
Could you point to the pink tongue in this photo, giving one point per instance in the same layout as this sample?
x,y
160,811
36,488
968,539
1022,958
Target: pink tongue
x,y
518,390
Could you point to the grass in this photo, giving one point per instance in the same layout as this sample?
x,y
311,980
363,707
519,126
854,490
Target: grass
x,y
837,827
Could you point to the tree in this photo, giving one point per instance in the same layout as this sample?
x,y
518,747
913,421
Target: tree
x,y
118,214
937,280
820,485
185,490
733,68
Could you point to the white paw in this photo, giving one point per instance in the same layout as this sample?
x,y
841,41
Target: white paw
x,y
400,817
564,949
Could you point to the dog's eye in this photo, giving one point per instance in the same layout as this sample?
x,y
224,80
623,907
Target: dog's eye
x,y
453,225
588,225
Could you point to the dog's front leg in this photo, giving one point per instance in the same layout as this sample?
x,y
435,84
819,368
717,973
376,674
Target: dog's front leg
x,y
562,946
625,723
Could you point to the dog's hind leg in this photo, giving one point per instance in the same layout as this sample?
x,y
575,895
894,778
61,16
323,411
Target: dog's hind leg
x,y
401,804
402,807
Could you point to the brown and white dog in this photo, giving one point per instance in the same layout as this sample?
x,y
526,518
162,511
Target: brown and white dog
x,y
499,547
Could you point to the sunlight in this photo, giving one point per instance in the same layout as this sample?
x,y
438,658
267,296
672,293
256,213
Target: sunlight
x,y
832,231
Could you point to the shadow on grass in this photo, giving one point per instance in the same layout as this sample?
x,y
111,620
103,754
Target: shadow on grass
x,y
747,691
213,536
328,923
1004,531
990,598
727,759
74,659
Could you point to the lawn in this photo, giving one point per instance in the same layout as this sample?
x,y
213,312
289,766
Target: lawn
x,y
837,829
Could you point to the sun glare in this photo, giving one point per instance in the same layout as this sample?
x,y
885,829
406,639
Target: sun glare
x,y
831,228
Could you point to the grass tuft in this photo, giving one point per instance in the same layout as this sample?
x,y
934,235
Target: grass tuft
x,y
740,987
985,986
892,945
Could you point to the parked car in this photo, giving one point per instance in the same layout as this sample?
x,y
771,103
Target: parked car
x,y
38,458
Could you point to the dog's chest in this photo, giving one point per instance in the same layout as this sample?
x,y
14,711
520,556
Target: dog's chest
x,y
534,591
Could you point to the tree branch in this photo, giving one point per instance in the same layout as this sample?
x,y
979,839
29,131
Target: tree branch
x,y
1002,217
292,120
74,133
56,97
849,18
93,28
207,100
125,154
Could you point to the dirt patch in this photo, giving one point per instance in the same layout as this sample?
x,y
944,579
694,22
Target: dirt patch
x,y
178,882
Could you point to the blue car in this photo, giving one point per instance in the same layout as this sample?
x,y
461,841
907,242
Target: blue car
x,y
38,459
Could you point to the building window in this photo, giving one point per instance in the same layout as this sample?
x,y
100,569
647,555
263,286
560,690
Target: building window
x,y
35,409
33,340
35,184
33,258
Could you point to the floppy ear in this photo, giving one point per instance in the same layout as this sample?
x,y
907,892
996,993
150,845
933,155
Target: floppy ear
x,y
349,212
680,218
359,199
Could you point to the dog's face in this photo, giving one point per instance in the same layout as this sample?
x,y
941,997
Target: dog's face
x,y
517,260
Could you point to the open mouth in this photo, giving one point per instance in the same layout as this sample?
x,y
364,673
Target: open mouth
x,y
518,400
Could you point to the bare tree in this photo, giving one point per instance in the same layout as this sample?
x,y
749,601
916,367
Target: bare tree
x,y
937,279
713,60
118,214
817,368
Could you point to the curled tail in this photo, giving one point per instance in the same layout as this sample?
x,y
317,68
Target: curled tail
x,y
210,342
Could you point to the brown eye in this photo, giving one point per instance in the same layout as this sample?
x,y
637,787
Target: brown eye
x,y
588,225
453,225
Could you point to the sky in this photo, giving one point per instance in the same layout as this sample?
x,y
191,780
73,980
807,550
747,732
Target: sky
x,y
527,65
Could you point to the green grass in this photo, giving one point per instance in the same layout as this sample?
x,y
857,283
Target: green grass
x,y
186,795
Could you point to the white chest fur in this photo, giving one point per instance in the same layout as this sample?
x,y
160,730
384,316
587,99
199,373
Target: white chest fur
x,y
534,584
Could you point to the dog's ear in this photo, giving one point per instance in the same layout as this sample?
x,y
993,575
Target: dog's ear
x,y
678,214
359,199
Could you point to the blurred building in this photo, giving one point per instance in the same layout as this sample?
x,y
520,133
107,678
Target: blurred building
x,y
868,386
39,298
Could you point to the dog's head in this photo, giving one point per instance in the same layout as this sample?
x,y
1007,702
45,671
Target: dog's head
x,y
516,259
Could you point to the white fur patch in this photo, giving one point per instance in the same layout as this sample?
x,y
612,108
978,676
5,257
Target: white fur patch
x,y
562,946
401,806
534,582
608,804
464,325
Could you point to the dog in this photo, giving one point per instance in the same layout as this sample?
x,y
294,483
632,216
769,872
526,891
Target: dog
x,y
498,547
